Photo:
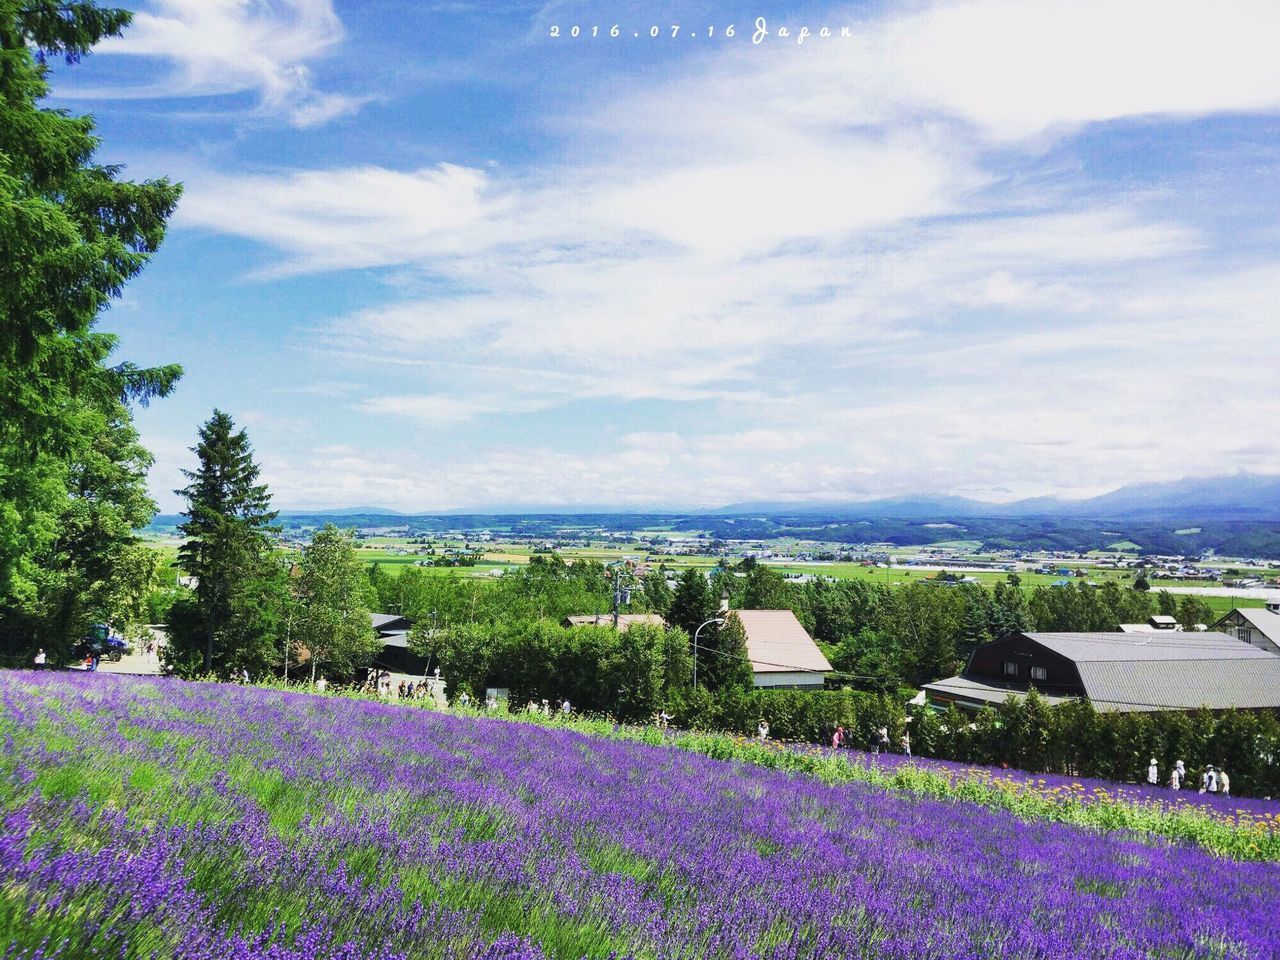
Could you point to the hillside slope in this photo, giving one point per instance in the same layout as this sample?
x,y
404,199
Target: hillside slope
x,y
157,818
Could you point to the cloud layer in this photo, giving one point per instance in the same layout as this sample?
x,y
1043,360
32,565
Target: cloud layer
x,y
219,47
874,265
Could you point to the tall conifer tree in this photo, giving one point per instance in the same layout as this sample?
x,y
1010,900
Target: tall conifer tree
x,y
228,529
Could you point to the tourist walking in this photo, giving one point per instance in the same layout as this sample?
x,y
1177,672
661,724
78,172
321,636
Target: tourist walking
x,y
1153,773
322,684
1224,782
465,699
906,743
565,709
40,660
882,741
837,738
762,730
1209,782
1179,775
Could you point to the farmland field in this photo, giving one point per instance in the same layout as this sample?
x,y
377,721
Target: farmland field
x,y
161,819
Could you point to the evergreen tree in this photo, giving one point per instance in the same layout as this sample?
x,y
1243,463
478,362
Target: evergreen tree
x,y
722,657
693,602
1010,614
334,594
764,589
228,538
657,595
71,235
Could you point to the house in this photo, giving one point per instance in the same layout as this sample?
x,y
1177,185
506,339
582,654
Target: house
x,y
781,651
606,620
1260,627
393,630
1121,672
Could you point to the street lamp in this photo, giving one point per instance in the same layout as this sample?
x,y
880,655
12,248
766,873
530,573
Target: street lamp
x,y
719,620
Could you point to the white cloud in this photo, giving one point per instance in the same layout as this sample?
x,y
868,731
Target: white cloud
x,y
342,219
219,47
1018,69
846,268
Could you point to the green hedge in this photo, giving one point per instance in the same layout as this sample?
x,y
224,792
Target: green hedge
x,y
1071,739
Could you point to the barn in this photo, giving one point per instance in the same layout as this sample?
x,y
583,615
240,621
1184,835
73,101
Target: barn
x,y
1122,672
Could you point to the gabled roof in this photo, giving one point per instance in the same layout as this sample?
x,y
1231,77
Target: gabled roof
x,y
606,620
1264,621
387,621
778,643
1154,671
1158,646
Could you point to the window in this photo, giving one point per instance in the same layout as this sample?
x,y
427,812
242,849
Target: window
x,y
1010,668
1039,673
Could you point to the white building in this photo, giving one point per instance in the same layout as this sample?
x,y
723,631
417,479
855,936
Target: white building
x,y
781,651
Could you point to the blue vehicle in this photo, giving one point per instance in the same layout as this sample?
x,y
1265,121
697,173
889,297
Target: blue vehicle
x,y
100,642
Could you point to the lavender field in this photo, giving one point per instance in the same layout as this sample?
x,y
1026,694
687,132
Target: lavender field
x,y
161,819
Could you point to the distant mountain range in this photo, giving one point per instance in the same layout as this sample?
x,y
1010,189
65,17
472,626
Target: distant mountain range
x,y
1238,497
345,512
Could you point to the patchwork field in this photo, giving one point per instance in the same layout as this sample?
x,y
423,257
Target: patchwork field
x,y
161,819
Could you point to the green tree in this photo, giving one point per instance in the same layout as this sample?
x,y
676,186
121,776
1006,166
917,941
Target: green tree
x,y
722,657
1192,611
657,595
228,538
71,235
693,603
334,593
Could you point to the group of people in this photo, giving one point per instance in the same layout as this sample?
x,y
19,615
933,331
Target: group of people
x,y
878,741
546,707
1213,780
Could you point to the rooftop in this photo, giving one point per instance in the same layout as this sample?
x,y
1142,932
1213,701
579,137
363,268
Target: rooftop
x,y
1159,646
778,643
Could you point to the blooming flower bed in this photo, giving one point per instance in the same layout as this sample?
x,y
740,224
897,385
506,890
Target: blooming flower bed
x,y
1088,789
157,818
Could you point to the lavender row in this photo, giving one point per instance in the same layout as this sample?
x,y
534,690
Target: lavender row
x,y
209,821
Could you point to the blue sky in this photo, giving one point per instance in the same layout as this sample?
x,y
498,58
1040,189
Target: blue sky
x,y
433,257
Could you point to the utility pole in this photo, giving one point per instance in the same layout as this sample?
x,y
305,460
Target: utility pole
x,y
617,594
